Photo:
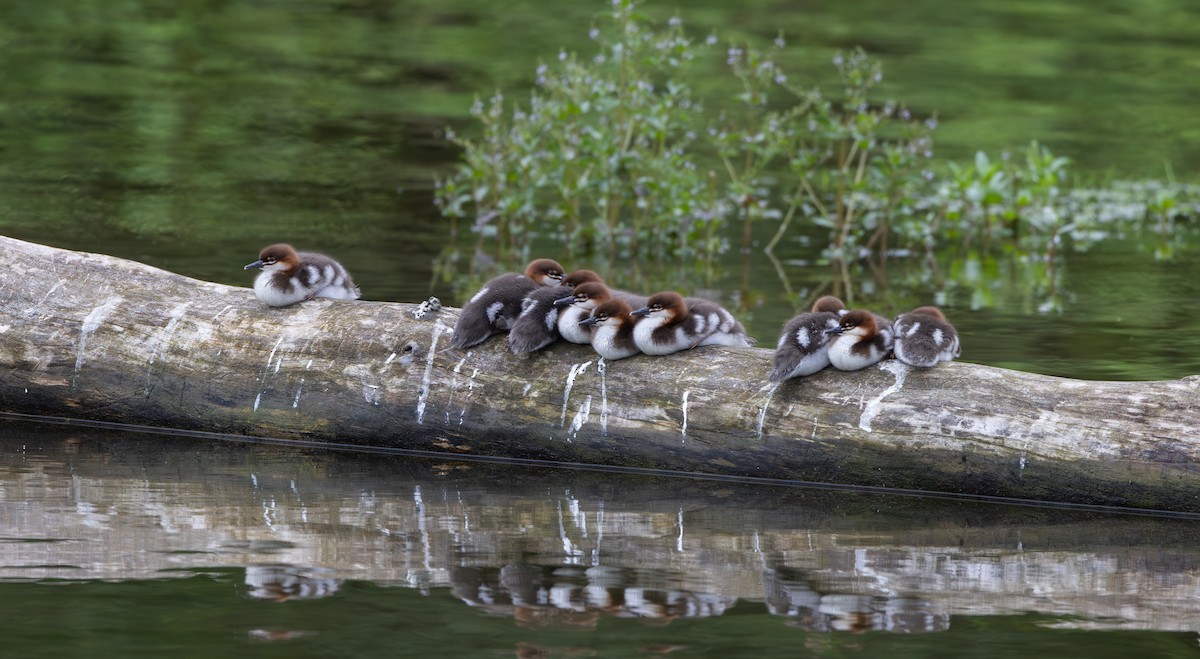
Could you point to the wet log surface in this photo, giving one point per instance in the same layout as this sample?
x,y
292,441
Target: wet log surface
x,y
94,337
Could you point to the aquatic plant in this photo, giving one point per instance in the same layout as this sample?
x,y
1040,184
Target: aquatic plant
x,y
601,157
614,155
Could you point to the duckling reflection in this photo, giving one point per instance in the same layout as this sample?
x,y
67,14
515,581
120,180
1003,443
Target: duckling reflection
x,y
578,598
281,583
789,593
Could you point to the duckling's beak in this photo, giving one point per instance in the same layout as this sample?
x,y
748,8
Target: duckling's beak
x,y
835,330
640,312
256,264
590,320
565,301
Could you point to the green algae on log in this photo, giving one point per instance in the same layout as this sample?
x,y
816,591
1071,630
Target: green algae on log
x,y
98,338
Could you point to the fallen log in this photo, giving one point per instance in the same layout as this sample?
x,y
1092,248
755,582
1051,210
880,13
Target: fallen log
x,y
88,336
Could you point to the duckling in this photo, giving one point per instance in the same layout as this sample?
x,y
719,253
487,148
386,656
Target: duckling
x,y
804,345
612,337
497,305
578,305
860,339
578,277
587,276
924,337
670,326
289,277
537,326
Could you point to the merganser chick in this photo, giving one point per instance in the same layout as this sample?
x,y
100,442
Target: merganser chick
x,y
537,326
670,326
861,339
576,307
498,304
804,345
289,277
580,277
924,337
612,337
587,276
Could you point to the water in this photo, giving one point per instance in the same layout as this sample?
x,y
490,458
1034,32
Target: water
x,y
189,134
132,545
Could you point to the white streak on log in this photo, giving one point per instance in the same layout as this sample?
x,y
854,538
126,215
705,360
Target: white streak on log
x,y
458,366
263,381
296,398
370,393
896,368
581,417
176,314
438,328
601,367
683,430
271,357
90,323
32,310
391,358
762,414
528,386
165,338
575,370
470,390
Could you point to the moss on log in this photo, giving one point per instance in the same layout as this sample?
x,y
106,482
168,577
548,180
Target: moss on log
x,y
94,337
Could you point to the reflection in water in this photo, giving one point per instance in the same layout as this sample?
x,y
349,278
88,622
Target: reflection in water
x,y
541,596
280,583
791,595
566,550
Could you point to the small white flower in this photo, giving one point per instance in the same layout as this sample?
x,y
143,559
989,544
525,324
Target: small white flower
x,y
593,34
711,40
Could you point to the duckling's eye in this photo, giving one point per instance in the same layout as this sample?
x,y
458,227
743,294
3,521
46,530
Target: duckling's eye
x,y
602,317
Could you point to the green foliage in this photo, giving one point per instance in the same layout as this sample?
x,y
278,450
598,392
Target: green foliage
x,y
614,153
602,156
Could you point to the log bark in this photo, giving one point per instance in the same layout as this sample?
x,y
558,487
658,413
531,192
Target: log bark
x,y
93,337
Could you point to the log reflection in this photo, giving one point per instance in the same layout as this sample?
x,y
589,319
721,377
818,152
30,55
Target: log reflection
x,y
565,549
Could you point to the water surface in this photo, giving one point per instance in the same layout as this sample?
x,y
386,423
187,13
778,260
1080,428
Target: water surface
x,y
128,544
